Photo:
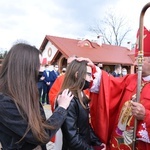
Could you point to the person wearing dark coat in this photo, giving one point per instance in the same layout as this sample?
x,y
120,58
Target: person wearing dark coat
x,y
117,71
23,125
76,129
49,78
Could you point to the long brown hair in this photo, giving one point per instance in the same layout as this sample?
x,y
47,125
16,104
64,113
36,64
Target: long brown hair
x,y
75,79
18,80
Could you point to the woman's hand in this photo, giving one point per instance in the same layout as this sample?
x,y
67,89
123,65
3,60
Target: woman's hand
x,y
100,147
90,63
103,146
64,99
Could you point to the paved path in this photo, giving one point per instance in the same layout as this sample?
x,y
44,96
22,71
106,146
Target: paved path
x,y
48,112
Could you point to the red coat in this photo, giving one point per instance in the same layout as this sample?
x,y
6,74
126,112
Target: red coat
x,y
107,105
56,87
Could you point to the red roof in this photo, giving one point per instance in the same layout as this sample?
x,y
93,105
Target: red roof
x,y
108,54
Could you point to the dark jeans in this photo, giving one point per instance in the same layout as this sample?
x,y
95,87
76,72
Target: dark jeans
x,y
40,88
45,94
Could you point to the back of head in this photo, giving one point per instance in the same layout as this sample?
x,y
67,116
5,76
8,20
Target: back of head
x,y
74,76
46,65
19,68
117,67
18,79
71,58
75,79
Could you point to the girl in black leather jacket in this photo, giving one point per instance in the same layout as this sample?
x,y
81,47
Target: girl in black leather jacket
x,y
76,129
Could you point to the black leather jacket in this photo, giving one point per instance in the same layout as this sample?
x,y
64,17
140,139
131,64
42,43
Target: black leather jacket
x,y
13,126
77,132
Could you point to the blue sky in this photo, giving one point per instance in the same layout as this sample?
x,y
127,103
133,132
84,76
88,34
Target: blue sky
x,y
31,20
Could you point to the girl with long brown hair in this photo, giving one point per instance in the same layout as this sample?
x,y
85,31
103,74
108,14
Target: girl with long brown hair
x,y
76,129
23,124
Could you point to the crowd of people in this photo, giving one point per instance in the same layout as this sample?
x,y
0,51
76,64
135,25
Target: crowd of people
x,y
46,79
119,71
94,110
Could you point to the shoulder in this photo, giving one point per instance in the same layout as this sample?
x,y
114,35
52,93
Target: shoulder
x,y
6,104
52,71
44,72
113,73
4,99
74,101
74,104
60,78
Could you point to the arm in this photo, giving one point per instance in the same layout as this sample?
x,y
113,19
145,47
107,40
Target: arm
x,y
52,76
94,139
138,110
96,80
56,120
44,76
10,117
104,104
14,122
141,112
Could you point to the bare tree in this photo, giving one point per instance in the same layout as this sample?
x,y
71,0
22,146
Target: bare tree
x,y
113,29
3,53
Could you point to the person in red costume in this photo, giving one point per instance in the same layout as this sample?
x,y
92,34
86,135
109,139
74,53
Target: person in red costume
x,y
113,109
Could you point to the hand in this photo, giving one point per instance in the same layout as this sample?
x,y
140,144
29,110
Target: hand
x,y
90,63
48,83
103,146
64,99
42,78
100,147
138,110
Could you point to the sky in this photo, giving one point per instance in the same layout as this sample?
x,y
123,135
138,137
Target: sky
x,y
32,20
